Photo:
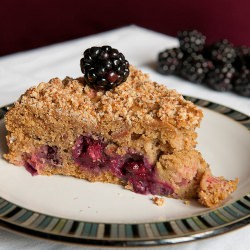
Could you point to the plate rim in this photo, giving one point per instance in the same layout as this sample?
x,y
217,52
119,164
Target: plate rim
x,y
203,225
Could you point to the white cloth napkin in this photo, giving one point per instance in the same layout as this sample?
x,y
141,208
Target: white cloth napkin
x,y
141,46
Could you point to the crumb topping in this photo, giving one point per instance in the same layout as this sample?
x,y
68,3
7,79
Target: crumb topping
x,y
137,99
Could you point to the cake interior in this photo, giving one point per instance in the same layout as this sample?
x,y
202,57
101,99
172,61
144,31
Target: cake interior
x,y
97,157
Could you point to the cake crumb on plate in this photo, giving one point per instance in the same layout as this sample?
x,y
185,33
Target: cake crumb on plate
x,y
158,201
186,202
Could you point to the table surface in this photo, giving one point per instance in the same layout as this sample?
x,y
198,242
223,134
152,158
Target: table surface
x,y
141,46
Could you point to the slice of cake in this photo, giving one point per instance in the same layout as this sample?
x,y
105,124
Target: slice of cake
x,y
138,134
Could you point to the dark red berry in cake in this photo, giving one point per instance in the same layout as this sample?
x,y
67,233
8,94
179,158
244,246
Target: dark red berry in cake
x,y
195,67
52,155
169,61
241,83
221,52
136,168
30,166
104,67
191,41
220,78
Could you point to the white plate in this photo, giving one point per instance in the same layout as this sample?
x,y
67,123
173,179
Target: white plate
x,y
224,143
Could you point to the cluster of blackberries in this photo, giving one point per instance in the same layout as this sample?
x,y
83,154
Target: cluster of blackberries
x,y
221,65
104,67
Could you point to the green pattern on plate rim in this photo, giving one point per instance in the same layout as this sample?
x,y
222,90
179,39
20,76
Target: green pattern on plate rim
x,y
204,225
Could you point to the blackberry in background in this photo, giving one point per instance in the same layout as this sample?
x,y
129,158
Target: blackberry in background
x,y
221,77
242,59
104,67
191,41
220,65
169,61
220,52
241,83
195,68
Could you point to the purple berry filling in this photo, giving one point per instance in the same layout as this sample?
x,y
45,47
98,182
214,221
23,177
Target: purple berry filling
x,y
44,154
31,167
132,168
49,154
88,153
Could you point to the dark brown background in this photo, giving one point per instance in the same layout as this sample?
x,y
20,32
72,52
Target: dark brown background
x,y
27,24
